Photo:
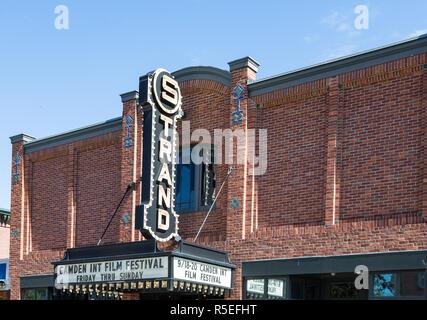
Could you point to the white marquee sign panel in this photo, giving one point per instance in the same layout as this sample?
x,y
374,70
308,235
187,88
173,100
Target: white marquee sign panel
x,y
202,273
112,271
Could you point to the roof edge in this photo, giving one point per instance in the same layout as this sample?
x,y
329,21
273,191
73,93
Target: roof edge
x,y
203,73
24,138
74,135
245,62
345,64
128,96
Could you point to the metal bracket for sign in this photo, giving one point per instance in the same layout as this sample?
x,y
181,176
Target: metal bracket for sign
x,y
230,171
129,188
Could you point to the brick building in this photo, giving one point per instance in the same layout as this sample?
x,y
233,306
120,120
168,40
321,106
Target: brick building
x,y
345,186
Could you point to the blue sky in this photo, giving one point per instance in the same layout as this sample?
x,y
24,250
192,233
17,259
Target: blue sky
x,y
57,80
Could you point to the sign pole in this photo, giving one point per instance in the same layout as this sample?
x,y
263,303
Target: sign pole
x,y
230,171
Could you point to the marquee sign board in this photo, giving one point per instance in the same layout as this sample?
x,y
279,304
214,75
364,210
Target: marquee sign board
x,y
111,271
160,98
136,270
202,273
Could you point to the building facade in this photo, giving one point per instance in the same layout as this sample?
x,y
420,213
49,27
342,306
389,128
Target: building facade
x,y
345,185
4,253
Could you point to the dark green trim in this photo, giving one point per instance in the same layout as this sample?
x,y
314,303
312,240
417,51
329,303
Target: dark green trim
x,y
246,62
401,260
4,217
42,281
25,138
144,249
103,128
347,64
132,95
203,73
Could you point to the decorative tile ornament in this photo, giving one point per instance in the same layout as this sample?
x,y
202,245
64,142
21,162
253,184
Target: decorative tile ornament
x,y
126,218
235,203
129,126
237,116
16,163
15,233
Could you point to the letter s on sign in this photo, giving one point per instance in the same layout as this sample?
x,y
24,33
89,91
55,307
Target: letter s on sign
x,y
169,92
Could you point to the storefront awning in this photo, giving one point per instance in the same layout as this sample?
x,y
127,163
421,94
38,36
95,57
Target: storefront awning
x,y
387,261
142,266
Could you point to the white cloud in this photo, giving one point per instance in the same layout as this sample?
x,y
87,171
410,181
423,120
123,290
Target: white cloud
x,y
337,21
417,33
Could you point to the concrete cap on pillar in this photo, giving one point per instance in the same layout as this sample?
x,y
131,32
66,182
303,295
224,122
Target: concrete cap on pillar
x,y
131,95
246,62
24,138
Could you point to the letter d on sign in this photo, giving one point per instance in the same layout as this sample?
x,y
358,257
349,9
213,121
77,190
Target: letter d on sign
x,y
162,220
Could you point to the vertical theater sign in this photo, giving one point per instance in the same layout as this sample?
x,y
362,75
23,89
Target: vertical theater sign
x,y
114,269
160,98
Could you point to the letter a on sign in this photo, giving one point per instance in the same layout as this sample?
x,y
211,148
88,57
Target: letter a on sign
x,y
160,98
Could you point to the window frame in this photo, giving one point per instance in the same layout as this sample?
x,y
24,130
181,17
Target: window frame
x,y
266,279
398,295
198,207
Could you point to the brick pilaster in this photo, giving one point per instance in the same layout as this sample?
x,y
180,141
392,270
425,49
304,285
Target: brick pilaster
x,y
424,139
332,184
18,225
72,192
129,159
242,71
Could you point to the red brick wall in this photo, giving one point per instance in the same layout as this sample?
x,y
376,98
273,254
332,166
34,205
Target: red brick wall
x,y
81,179
48,204
205,104
382,152
292,190
346,163
406,233
98,189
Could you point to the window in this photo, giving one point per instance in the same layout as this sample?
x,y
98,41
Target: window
x,y
3,268
256,289
186,189
399,285
412,283
195,181
385,285
342,290
36,294
276,289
